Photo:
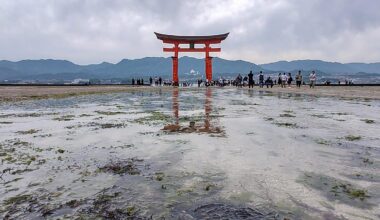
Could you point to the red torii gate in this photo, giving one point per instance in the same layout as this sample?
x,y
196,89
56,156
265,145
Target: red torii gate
x,y
191,41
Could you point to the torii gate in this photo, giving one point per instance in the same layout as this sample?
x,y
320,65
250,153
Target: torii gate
x,y
191,41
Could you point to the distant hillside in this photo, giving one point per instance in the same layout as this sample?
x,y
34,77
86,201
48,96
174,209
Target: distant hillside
x,y
327,67
159,66
148,66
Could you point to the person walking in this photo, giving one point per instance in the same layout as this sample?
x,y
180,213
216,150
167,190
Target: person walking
x,y
250,79
313,79
299,79
279,82
160,81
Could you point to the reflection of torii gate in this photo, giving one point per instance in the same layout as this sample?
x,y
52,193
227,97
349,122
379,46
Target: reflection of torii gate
x,y
207,127
191,41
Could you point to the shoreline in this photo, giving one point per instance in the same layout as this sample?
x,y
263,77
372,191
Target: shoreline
x,y
23,93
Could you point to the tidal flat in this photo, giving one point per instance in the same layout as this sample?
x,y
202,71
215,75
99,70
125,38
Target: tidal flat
x,y
205,153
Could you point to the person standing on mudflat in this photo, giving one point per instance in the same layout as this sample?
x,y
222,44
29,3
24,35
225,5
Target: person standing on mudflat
x,y
299,79
284,80
290,79
261,79
313,79
250,79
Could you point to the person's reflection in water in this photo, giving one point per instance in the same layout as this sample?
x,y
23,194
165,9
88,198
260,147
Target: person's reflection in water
x,y
250,93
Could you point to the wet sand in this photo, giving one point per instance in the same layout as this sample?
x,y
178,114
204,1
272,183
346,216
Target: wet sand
x,y
366,92
19,93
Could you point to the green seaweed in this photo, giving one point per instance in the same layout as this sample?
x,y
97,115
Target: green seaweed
x,y
110,125
131,210
367,161
17,199
287,115
109,112
352,138
129,166
154,118
288,111
64,118
209,186
6,122
319,116
30,131
368,121
336,189
159,176
286,124
322,141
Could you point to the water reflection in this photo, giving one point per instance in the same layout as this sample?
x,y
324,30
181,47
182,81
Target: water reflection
x,y
195,124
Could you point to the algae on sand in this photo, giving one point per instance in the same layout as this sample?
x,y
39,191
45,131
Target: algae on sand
x,y
352,137
336,189
154,118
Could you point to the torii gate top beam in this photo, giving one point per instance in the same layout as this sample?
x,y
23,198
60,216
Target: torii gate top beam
x,y
211,39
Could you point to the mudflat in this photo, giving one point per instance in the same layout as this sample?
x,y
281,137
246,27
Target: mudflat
x,y
196,153
19,93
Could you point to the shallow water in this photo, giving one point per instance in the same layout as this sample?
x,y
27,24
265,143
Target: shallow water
x,y
249,154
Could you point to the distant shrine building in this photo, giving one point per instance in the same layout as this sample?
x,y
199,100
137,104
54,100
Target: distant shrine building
x,y
192,41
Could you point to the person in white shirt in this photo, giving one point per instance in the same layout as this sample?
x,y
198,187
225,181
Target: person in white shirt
x,y
220,81
313,79
284,79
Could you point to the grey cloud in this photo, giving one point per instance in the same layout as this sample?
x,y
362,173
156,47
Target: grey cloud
x,y
89,31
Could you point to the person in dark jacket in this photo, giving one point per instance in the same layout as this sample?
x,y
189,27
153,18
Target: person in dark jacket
x,y
299,79
269,82
290,79
261,79
250,79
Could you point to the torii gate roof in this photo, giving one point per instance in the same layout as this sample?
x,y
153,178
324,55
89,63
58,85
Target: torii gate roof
x,y
191,39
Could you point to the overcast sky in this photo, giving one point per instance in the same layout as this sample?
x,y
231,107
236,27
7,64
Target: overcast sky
x,y
261,31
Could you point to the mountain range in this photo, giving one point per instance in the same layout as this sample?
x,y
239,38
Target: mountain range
x,y
49,69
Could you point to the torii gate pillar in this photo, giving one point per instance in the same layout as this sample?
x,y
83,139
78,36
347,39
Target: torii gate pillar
x,y
191,41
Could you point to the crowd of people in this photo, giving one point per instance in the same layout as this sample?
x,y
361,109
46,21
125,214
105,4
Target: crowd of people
x,y
137,81
283,79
